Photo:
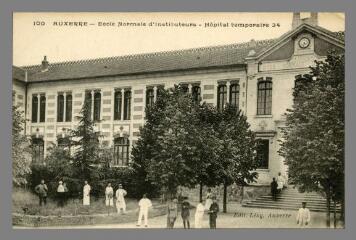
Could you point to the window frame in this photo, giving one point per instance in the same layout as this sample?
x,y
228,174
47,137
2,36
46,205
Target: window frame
x,y
263,165
264,97
34,109
221,104
69,107
37,144
237,95
97,106
121,155
43,101
127,105
117,104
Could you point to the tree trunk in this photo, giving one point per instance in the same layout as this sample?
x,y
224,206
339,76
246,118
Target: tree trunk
x,y
242,194
328,209
335,220
201,192
342,215
225,197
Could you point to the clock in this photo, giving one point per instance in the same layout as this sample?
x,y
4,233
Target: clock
x,y
304,42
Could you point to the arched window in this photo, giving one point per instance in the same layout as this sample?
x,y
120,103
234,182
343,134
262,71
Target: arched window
x,y
64,143
69,108
117,105
34,108
149,97
196,94
42,108
234,95
97,106
60,107
121,151
127,105
37,150
264,97
222,94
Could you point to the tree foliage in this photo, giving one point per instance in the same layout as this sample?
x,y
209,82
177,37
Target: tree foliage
x,y
313,138
21,156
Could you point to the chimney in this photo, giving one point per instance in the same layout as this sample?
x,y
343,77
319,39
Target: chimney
x,y
45,64
311,20
296,20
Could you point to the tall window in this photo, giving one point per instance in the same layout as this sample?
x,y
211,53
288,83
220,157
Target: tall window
x,y
196,93
37,150
97,106
60,108
222,94
69,108
42,108
64,143
127,105
264,97
117,105
121,151
234,95
34,108
149,97
263,153
89,102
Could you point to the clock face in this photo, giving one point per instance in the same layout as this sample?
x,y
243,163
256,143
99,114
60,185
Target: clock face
x,y
304,42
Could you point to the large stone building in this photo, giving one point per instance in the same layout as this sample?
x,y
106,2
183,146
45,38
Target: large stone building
x,y
257,76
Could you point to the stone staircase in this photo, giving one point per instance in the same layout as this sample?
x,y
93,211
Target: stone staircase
x,y
291,199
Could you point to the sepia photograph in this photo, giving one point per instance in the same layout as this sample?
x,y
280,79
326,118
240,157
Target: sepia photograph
x,y
178,120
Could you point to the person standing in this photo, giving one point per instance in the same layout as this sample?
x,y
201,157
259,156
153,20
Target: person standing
x,y
186,213
41,190
86,194
280,182
60,194
208,201
172,213
303,216
144,205
213,213
109,195
120,199
199,213
274,190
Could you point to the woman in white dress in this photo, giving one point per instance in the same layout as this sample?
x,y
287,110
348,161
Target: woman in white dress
x,y
199,213
208,201
86,194
109,196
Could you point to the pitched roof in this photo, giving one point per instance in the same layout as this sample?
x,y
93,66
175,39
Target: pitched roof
x,y
18,73
194,58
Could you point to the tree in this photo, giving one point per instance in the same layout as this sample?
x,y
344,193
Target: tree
x,y
87,150
237,156
313,138
21,157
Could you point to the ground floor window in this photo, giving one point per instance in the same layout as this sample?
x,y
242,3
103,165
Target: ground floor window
x,y
121,151
37,150
263,153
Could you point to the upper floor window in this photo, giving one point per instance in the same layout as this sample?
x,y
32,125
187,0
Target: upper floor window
x,y
264,97
263,153
64,107
37,150
93,99
234,95
97,106
127,105
121,151
150,97
38,108
196,93
222,96
117,105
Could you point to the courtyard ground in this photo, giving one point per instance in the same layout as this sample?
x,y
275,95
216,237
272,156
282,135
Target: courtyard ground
x,y
237,217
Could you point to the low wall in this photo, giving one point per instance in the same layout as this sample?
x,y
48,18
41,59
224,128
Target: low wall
x,y
48,221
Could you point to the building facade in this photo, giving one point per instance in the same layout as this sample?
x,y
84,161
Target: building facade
x,y
258,77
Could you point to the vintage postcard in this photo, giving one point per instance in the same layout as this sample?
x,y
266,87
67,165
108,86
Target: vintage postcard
x,y
178,120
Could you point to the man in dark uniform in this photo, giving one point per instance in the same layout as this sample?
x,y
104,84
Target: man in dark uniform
x,y
213,213
186,213
274,190
41,189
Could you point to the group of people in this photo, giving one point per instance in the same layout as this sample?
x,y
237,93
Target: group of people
x,y
277,185
211,207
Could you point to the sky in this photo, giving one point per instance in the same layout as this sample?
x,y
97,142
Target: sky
x,y
32,41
